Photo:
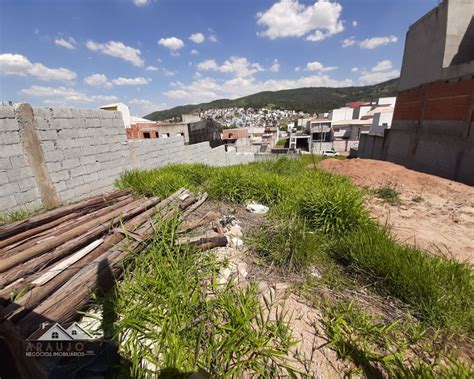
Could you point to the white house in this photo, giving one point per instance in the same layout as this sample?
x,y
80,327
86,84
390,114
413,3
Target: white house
x,y
120,107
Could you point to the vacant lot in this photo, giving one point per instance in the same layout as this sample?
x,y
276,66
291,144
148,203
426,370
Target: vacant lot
x,y
432,213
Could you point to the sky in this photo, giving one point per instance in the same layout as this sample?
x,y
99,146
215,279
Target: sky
x,y
156,54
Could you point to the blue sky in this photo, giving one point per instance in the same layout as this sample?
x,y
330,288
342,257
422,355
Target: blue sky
x,y
155,54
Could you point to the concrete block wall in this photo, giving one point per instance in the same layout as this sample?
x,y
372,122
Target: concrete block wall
x,y
85,150
17,183
82,152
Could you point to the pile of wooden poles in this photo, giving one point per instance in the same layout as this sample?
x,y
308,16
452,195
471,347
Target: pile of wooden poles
x,y
51,263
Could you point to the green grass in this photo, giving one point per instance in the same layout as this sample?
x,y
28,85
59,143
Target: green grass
x,y
18,215
173,318
388,349
440,292
388,194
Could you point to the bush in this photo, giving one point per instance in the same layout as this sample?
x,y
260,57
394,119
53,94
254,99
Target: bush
x,y
389,194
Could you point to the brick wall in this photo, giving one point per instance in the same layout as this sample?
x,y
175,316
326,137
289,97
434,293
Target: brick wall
x,y
83,152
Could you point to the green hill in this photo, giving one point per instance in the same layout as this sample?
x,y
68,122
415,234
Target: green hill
x,y
311,99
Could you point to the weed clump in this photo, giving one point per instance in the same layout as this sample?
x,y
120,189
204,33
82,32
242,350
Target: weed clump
x,y
168,321
288,243
388,194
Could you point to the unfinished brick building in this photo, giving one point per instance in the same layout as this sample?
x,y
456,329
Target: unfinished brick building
x,y
432,129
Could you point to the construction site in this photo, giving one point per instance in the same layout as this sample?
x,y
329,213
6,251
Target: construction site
x,y
159,258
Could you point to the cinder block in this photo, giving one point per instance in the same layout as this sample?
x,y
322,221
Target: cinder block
x,y
62,112
59,176
48,146
19,174
10,138
75,152
7,203
9,125
70,163
43,123
90,177
47,135
54,156
53,166
60,186
7,111
26,184
9,189
43,112
75,182
27,196
5,164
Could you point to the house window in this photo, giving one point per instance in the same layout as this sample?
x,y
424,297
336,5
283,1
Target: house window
x,y
358,133
74,332
165,135
384,124
156,134
54,335
146,135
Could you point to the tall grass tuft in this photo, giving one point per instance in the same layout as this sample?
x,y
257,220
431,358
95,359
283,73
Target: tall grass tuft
x,y
174,317
440,290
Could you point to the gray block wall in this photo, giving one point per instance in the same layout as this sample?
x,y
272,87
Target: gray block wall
x,y
17,184
84,153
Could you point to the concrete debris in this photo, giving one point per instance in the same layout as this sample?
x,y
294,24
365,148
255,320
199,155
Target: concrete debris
x,y
257,208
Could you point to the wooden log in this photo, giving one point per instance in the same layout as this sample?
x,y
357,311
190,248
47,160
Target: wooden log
x,y
31,266
62,305
32,222
195,206
112,218
199,241
34,231
35,295
60,229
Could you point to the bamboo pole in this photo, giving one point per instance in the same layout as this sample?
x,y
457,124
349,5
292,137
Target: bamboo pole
x,y
117,215
74,294
20,226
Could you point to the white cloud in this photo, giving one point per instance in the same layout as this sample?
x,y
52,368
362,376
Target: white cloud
x,y
289,18
207,65
194,52
382,66
69,43
381,72
16,64
145,106
100,80
355,23
67,95
297,69
212,38
349,42
151,68
275,67
355,69
238,66
197,37
118,49
171,43
206,89
372,43
369,43
167,72
141,3
131,81
317,66
96,80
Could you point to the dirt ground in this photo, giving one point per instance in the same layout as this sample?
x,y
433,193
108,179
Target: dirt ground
x,y
435,214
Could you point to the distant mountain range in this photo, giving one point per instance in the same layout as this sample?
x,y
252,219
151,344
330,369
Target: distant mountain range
x,y
310,99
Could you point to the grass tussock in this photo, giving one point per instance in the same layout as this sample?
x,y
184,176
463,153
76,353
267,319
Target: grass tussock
x,y
175,319
330,212
389,194
388,349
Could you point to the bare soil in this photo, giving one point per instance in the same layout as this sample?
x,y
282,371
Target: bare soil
x,y
435,214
